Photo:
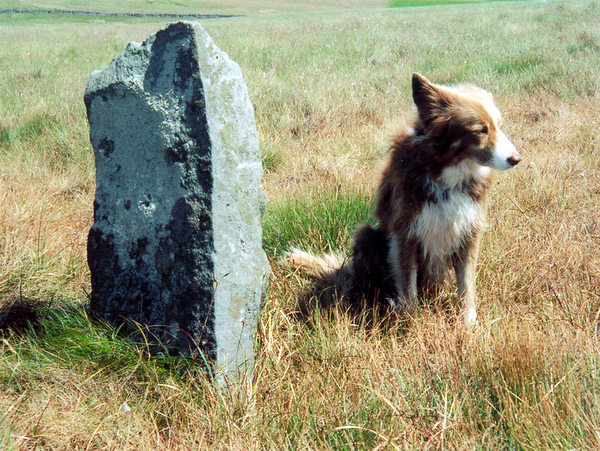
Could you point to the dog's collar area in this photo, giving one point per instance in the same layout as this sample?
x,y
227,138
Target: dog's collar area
x,y
441,196
437,193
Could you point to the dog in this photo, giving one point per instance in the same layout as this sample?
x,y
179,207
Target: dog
x,y
431,203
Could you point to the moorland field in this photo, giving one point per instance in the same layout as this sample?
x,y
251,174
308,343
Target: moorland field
x,y
330,83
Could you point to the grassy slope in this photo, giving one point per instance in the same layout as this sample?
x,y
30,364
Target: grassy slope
x,y
528,378
198,6
405,3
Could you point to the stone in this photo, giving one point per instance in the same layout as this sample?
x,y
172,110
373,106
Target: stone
x,y
176,244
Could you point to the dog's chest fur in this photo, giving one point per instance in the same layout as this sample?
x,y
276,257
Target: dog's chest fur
x,y
450,215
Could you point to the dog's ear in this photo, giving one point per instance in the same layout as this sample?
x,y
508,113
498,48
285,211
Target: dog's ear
x,y
428,98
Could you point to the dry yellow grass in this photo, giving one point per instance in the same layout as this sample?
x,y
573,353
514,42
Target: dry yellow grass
x,y
328,91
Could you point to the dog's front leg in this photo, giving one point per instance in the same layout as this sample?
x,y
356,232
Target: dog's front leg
x,y
403,262
465,263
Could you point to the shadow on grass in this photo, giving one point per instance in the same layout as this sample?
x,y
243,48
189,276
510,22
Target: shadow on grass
x,y
71,333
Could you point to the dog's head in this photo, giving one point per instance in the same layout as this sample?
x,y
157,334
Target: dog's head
x,y
465,123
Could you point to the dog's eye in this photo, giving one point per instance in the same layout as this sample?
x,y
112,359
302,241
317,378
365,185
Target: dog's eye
x,y
483,130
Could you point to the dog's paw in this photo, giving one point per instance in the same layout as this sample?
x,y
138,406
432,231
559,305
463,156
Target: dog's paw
x,y
400,305
470,318
392,302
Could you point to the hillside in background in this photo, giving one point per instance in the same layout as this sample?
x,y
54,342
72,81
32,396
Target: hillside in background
x,y
195,7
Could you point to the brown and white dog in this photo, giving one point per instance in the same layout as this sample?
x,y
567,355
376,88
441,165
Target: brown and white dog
x,y
431,201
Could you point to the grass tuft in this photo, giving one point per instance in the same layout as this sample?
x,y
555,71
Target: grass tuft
x,y
319,223
21,315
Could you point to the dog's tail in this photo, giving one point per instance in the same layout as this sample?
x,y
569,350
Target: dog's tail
x,y
362,279
315,266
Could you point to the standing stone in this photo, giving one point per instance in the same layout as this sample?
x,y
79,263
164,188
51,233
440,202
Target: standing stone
x,y
176,241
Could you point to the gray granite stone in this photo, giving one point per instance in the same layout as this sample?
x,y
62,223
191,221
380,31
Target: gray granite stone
x,y
176,243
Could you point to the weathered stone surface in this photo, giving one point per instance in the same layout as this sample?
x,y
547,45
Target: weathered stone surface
x,y
176,240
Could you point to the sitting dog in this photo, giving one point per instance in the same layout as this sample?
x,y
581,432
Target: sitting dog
x,y
430,203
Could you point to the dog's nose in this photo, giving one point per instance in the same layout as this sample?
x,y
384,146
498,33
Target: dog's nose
x,y
513,160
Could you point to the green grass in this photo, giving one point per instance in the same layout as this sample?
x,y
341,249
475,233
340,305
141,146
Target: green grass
x,y
320,223
406,3
329,89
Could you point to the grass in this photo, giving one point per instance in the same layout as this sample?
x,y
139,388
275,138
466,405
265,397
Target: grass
x,y
195,7
527,378
321,223
406,3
